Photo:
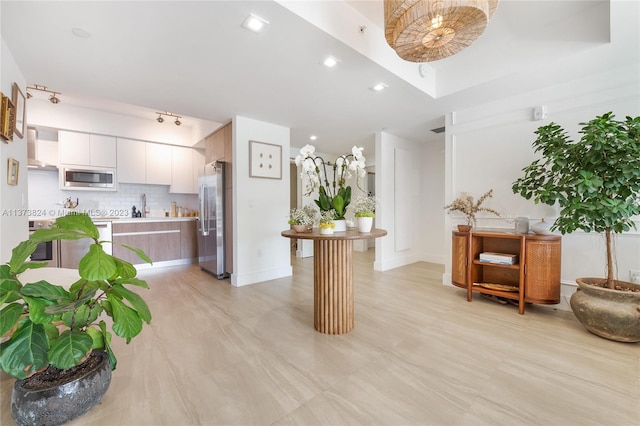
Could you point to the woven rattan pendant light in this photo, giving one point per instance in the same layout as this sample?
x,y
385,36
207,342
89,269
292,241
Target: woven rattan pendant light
x,y
429,30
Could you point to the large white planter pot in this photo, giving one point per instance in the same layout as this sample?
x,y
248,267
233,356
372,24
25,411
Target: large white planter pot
x,y
364,224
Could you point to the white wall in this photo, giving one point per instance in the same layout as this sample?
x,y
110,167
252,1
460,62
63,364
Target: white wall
x,y
487,147
13,199
260,207
401,172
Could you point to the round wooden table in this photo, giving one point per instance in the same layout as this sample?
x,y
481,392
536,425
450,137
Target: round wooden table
x,y
333,277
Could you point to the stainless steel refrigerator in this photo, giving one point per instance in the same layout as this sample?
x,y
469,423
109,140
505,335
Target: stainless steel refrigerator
x,y
211,219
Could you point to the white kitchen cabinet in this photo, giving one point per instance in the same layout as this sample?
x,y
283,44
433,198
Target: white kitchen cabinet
x,y
158,164
132,161
185,164
198,167
181,170
102,150
74,148
84,149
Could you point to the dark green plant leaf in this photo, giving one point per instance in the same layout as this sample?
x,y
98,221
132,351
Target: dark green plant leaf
x,y
84,286
79,222
338,206
69,349
36,310
125,269
20,254
107,339
44,290
80,316
55,233
9,316
126,322
134,281
51,331
26,351
9,290
97,265
141,254
135,300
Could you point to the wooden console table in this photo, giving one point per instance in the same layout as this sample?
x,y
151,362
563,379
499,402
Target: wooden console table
x,y
534,278
333,277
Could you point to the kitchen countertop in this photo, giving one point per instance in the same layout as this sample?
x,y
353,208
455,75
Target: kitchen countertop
x,y
125,219
149,219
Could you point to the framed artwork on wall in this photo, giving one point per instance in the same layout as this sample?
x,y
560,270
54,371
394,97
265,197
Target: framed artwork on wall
x,y
19,103
13,171
7,118
265,160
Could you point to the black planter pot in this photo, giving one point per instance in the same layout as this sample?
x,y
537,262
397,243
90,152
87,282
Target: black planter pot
x,y
59,404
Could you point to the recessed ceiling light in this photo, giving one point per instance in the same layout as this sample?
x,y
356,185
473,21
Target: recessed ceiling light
x,y
330,62
79,32
254,23
313,137
378,87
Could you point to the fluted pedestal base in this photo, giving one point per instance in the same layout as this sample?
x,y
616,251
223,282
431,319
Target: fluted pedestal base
x,y
333,286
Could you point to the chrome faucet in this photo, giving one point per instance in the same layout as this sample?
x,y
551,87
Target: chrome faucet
x,y
144,205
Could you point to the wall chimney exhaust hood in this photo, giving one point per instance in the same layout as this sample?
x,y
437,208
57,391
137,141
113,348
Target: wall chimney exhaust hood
x,y
41,155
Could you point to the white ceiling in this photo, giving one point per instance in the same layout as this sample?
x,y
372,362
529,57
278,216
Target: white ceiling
x,y
194,59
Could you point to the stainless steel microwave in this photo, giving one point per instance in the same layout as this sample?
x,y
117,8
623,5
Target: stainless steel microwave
x,y
73,177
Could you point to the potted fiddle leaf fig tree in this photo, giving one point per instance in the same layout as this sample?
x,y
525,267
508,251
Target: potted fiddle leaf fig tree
x,y
596,183
54,338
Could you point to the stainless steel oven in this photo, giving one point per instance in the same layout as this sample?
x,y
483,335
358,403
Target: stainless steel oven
x,y
48,251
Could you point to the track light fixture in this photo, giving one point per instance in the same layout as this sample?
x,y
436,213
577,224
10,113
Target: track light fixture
x,y
168,114
53,98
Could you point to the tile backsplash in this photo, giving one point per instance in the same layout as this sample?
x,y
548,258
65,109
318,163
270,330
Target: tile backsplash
x,y
47,199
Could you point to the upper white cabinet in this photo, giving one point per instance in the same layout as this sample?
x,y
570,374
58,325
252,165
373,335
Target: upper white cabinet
x,y
198,167
181,170
158,164
144,162
132,161
185,163
85,149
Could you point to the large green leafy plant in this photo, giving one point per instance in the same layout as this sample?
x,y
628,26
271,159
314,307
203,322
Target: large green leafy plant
x,y
334,195
595,181
47,324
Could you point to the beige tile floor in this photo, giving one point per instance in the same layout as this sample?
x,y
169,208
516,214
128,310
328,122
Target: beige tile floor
x,y
419,354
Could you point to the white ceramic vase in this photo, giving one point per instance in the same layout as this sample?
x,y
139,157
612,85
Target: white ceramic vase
x,y
341,225
326,231
543,227
364,224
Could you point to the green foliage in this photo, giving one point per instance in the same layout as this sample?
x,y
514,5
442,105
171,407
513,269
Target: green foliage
x,y
50,325
595,181
338,203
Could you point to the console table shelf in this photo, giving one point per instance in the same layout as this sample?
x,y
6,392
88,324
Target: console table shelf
x,y
536,276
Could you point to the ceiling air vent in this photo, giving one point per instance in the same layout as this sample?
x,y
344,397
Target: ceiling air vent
x,y
438,130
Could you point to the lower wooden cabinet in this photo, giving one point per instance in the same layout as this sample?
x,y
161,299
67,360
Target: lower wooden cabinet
x,y
533,278
459,259
162,241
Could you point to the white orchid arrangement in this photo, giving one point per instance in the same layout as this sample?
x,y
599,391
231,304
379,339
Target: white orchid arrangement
x,y
335,195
